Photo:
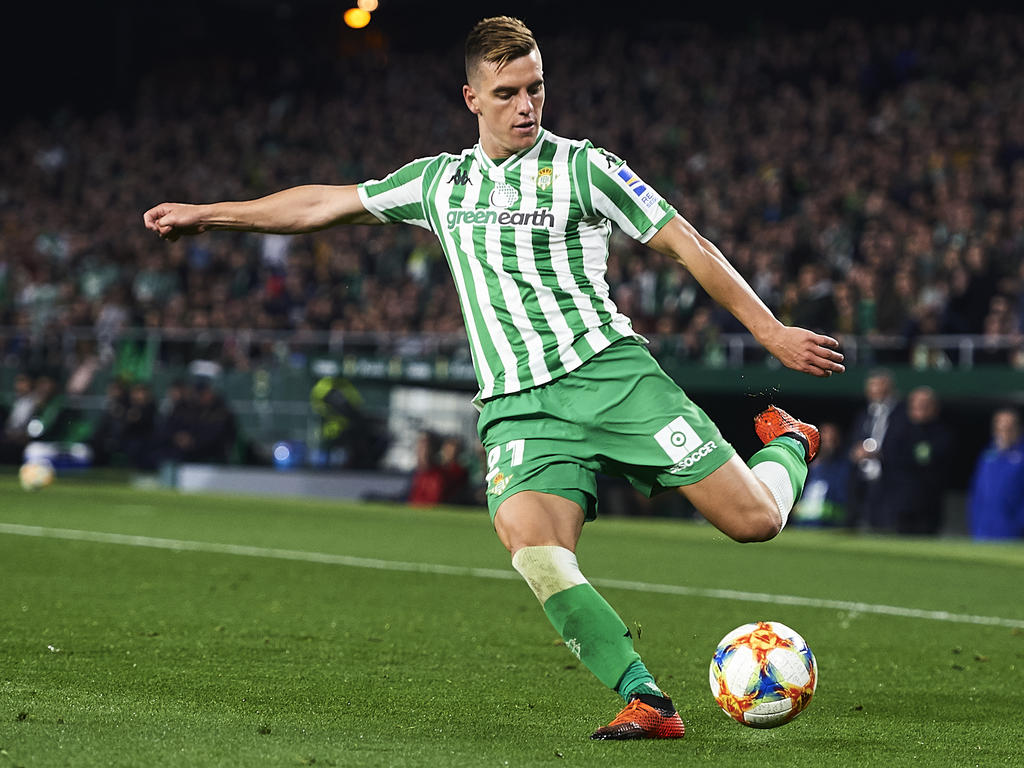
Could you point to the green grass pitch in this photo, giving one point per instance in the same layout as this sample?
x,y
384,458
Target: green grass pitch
x,y
288,633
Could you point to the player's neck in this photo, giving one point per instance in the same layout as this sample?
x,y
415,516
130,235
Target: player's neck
x,y
496,153
499,154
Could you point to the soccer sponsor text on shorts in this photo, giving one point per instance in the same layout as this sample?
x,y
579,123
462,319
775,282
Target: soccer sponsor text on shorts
x,y
694,457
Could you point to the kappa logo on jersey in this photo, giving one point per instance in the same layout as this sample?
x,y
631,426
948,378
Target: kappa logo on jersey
x,y
648,198
460,177
678,439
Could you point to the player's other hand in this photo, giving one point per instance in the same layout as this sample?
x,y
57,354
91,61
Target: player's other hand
x,y
172,220
806,351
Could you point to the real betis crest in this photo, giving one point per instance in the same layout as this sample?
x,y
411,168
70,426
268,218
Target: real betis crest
x,y
544,178
499,483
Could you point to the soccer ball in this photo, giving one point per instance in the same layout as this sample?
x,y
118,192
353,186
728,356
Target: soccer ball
x,y
763,674
35,474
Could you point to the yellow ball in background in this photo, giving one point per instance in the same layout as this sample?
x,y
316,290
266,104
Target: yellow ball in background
x,y
36,474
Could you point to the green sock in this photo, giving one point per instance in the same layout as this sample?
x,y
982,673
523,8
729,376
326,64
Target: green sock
x,y
593,632
638,680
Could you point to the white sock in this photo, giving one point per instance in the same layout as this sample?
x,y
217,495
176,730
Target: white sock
x,y
775,476
548,570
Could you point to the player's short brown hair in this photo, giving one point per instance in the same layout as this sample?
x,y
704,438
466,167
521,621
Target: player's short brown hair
x,y
497,40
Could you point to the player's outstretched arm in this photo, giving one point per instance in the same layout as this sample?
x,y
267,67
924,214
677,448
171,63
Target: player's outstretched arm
x,y
796,348
292,211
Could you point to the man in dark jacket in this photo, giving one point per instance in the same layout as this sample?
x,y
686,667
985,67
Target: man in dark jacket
x,y
202,427
917,455
866,504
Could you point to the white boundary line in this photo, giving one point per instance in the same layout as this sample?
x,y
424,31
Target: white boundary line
x,y
181,545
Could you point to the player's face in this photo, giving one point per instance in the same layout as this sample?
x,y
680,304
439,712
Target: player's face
x,y
508,103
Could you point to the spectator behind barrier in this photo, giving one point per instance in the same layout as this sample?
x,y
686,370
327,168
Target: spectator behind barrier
x,y
995,506
440,476
824,498
428,478
201,427
33,416
917,455
347,429
456,474
867,440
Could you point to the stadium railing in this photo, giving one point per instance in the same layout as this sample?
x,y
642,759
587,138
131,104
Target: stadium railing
x,y
263,347
267,375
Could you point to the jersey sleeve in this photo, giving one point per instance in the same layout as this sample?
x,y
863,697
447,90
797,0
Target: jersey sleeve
x,y
618,194
399,196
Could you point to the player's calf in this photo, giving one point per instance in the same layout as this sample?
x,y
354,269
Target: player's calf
x,y
789,446
737,502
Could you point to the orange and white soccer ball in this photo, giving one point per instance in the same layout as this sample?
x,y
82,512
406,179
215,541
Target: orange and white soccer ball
x,y
35,474
763,674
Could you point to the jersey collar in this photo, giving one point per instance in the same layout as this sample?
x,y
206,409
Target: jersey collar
x,y
509,162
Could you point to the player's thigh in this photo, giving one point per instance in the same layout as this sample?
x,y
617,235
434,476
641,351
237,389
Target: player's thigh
x,y
533,446
534,519
656,437
733,500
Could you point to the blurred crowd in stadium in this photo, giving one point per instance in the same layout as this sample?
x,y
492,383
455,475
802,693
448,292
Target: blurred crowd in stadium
x,y
866,181
863,183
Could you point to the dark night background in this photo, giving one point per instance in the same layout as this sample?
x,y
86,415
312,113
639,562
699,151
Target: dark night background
x,y
91,57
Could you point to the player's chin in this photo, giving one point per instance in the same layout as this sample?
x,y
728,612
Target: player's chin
x,y
524,137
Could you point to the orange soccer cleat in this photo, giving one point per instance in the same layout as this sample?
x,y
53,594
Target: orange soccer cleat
x,y
774,422
644,717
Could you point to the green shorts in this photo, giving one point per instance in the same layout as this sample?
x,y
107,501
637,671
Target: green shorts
x,y
618,413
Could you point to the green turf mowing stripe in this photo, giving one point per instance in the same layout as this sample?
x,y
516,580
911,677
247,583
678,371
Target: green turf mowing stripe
x,y
493,573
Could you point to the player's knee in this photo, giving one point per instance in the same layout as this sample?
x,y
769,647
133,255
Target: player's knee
x,y
759,523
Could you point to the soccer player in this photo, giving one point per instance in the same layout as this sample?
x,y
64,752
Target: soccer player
x,y
567,388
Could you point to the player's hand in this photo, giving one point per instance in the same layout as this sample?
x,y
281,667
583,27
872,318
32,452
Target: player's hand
x,y
172,220
806,351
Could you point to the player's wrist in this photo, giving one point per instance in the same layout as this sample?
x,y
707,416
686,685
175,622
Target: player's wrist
x,y
767,331
218,216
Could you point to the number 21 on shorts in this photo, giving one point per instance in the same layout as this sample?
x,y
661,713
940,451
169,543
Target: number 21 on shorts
x,y
497,479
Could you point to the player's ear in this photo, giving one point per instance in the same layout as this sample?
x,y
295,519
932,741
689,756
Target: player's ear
x,y
470,96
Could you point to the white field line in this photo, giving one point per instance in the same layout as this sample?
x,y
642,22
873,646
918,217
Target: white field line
x,y
493,573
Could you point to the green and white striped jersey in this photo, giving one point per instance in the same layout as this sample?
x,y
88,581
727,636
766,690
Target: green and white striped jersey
x,y
527,243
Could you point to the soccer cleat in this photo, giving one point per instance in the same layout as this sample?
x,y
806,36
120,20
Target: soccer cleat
x,y
774,422
644,717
